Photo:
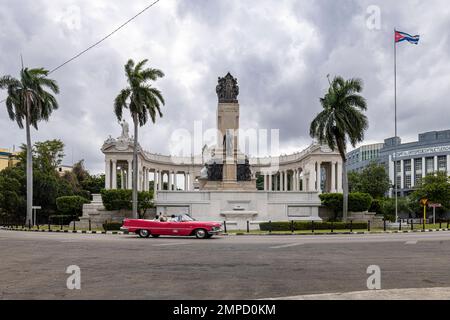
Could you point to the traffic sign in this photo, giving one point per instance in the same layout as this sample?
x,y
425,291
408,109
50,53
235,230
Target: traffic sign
x,y
435,205
424,202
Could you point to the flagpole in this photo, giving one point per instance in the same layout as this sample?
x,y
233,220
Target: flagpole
x,y
395,122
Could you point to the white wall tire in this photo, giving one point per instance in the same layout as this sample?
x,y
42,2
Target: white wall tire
x,y
144,233
201,234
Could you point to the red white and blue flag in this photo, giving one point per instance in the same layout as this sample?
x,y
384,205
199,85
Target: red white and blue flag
x,y
403,36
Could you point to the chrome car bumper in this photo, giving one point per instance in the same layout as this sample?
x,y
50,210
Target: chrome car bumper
x,y
213,232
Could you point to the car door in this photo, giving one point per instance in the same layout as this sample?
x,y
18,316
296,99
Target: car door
x,y
162,228
176,228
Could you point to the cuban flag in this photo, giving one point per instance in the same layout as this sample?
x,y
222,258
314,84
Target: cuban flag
x,y
403,36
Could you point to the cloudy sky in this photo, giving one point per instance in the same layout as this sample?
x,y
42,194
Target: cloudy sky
x,y
280,51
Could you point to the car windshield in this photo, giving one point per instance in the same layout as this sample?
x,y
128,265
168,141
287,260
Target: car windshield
x,y
185,217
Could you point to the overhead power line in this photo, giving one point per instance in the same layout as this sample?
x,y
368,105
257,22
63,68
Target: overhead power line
x,y
102,39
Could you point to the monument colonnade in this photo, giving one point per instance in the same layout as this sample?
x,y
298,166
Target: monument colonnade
x,y
310,170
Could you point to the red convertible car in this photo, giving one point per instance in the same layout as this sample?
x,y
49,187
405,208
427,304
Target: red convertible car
x,y
182,225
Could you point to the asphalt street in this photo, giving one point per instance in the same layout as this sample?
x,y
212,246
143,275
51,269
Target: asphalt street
x,y
33,265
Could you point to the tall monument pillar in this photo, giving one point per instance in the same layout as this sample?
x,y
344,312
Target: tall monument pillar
x,y
227,126
228,168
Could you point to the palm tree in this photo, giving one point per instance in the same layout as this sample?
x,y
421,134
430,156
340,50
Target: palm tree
x,y
143,101
341,120
29,102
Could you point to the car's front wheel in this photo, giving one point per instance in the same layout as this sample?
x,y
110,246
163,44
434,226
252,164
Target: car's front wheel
x,y
144,233
201,234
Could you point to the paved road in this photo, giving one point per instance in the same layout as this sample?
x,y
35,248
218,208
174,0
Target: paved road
x,y
32,265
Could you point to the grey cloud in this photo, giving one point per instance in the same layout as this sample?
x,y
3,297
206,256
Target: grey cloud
x,y
281,53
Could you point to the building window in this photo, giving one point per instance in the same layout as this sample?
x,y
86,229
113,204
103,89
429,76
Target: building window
x,y
398,167
399,182
442,163
418,164
408,181
407,165
429,163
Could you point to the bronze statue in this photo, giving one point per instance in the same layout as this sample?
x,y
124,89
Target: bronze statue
x,y
227,89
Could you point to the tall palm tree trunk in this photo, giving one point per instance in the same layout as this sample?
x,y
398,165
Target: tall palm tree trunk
x,y
135,168
345,190
29,219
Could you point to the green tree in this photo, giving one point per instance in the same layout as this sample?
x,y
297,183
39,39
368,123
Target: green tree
x,y
340,121
143,101
29,102
435,187
372,180
354,181
12,193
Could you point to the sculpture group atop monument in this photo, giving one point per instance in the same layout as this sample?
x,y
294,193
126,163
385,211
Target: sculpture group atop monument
x,y
227,89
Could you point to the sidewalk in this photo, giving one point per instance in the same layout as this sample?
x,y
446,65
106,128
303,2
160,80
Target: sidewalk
x,y
392,294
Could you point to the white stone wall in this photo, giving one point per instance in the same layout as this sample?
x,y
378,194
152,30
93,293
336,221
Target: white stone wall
x,y
239,207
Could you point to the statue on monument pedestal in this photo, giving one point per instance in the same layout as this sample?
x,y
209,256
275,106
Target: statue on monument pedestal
x,y
125,130
227,89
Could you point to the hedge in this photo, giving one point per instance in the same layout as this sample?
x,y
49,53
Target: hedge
x,y
112,226
71,205
304,225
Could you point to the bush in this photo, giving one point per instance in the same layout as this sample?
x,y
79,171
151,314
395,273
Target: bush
x,y
376,206
304,225
112,226
116,199
387,208
121,200
357,202
61,219
71,205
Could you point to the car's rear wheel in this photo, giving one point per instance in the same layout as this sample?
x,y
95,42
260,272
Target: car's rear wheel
x,y
201,234
155,235
144,233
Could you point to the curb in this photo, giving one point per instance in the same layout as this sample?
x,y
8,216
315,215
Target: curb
x,y
237,234
68,231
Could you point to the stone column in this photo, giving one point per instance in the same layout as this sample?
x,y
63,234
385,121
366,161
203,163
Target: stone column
x,y
159,174
170,176
413,173
285,180
175,188
270,182
155,184
448,163
191,181
107,174
435,164
339,176
114,174
402,177
147,179
122,183
186,185
333,177
130,175
424,168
